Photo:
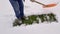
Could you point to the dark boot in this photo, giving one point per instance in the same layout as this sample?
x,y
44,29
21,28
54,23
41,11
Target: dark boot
x,y
17,22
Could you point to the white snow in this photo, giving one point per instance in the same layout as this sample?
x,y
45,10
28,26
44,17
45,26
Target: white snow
x,y
7,17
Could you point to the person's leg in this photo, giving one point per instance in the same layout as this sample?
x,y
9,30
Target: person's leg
x,y
21,8
15,6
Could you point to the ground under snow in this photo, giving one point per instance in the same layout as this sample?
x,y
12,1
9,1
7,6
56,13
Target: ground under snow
x,y
7,17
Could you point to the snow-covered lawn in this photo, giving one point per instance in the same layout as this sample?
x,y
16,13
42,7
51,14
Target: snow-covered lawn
x,y
7,17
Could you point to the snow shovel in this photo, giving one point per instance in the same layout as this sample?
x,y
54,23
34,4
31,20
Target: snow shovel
x,y
45,6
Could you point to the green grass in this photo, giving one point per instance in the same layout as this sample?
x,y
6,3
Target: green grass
x,y
33,19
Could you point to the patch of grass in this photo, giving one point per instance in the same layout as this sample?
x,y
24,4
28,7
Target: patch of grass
x,y
33,19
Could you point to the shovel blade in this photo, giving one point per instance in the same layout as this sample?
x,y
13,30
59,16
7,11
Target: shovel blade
x,y
49,5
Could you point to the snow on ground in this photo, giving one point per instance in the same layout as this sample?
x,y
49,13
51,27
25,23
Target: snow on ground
x,y
7,17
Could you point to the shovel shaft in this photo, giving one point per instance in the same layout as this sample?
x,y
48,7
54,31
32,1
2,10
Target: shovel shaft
x,y
40,3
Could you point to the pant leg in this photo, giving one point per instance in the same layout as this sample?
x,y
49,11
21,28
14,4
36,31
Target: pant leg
x,y
15,6
21,8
